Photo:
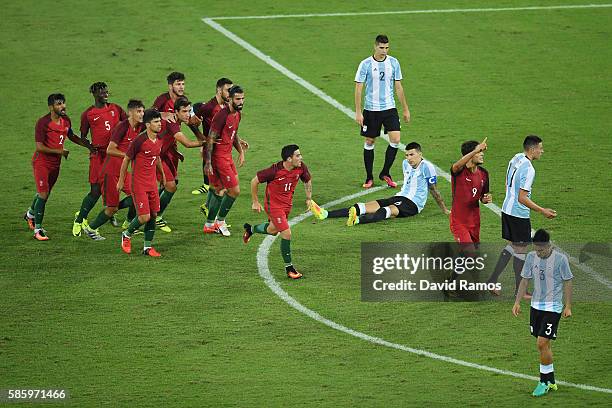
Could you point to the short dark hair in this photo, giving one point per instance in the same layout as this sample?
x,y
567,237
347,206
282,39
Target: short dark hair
x,y
175,76
541,236
413,145
221,82
150,114
234,90
287,151
181,103
135,104
382,39
531,141
96,86
55,97
468,147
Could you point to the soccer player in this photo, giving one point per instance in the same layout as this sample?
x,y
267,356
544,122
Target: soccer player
x,y
122,136
281,179
380,73
552,279
170,156
419,177
144,155
220,165
469,184
516,224
100,118
176,89
50,135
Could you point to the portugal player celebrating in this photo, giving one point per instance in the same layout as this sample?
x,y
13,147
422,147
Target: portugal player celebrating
x,y
281,179
470,184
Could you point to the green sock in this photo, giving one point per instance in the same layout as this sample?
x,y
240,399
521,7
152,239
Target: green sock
x,y
149,231
88,203
100,220
209,197
261,228
134,225
164,199
213,207
131,212
39,211
285,246
31,209
226,206
126,202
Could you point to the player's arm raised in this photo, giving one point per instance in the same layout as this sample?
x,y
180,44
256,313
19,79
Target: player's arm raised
x,y
460,164
255,206
399,89
435,193
527,202
182,139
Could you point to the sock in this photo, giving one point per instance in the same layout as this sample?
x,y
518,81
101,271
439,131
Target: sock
x,y
101,219
503,260
368,160
164,199
213,206
39,212
285,246
31,209
225,207
361,208
206,181
131,213
547,373
261,228
340,213
127,202
389,159
149,231
134,225
88,203
380,214
517,264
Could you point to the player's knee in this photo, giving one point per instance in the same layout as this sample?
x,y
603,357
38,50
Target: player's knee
x,y
44,195
110,211
144,218
170,186
286,234
543,343
234,191
394,137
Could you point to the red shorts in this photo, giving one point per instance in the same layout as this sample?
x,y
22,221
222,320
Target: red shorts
x,y
146,202
110,195
224,174
465,234
96,163
278,217
45,176
170,167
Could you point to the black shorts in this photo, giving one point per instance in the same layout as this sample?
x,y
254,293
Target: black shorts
x,y
515,229
544,324
374,120
405,206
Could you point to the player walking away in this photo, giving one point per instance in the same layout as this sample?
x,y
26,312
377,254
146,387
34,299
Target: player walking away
x,y
470,184
170,156
516,224
144,154
281,179
100,118
552,279
220,165
122,136
419,177
380,73
50,134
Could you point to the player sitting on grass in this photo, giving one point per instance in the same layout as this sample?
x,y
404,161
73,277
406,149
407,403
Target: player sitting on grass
x,y
281,179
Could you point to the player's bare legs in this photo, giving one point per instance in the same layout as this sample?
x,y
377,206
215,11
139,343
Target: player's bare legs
x,y
391,152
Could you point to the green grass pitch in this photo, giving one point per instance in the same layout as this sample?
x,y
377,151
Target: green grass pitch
x,y
199,327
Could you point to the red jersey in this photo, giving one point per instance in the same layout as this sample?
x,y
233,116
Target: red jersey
x,y
166,135
281,184
164,103
101,121
207,111
468,188
144,154
52,135
122,136
225,124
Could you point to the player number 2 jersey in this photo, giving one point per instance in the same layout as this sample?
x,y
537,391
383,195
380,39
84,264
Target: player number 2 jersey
x,y
379,78
52,135
281,184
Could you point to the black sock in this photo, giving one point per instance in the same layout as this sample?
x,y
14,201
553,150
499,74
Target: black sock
x,y
368,161
389,159
517,264
551,377
503,260
543,378
379,215
340,213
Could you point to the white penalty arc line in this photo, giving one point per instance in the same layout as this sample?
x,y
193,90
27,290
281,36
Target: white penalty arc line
x,y
430,11
264,248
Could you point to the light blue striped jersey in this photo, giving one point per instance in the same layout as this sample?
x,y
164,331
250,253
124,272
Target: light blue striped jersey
x,y
548,275
519,176
379,79
417,182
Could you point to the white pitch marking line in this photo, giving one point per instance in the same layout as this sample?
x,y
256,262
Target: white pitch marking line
x,y
431,11
264,248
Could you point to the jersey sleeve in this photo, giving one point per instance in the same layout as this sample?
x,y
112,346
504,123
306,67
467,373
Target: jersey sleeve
x,y
119,132
266,175
122,114
39,133
84,124
218,122
362,72
526,178
564,268
430,173
69,123
159,102
397,70
134,147
528,266
305,176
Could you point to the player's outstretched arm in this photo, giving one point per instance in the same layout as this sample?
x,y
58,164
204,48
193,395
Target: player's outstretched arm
x,y
522,289
433,189
113,150
460,164
399,89
81,141
527,202
188,143
567,294
255,206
